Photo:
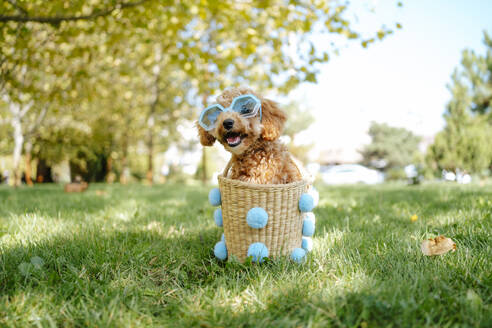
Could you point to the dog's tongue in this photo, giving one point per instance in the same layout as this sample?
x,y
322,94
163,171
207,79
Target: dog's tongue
x,y
233,140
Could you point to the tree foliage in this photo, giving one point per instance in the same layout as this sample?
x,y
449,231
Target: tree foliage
x,y
390,147
476,73
299,119
464,144
139,67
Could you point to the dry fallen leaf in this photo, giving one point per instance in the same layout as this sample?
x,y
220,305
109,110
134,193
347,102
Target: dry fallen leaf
x,y
101,192
437,246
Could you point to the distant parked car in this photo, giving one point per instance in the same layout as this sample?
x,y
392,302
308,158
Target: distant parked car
x,y
350,173
460,176
448,175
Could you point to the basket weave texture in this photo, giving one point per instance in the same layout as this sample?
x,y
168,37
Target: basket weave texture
x,y
283,231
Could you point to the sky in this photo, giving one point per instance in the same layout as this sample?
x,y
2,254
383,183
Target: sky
x,y
400,80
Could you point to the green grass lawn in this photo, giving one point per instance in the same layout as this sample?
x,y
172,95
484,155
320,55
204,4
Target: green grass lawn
x,y
138,256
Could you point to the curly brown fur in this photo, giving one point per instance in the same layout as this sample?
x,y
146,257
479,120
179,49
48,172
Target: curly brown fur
x,y
260,157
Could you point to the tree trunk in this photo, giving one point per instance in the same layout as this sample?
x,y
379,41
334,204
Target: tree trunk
x,y
150,164
151,124
125,170
204,166
204,151
27,165
17,153
109,169
43,172
18,113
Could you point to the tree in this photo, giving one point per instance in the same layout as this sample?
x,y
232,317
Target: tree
x,y
299,119
25,15
390,147
464,144
462,147
20,84
476,73
138,67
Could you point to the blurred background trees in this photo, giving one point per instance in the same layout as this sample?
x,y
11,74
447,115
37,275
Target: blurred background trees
x,y
462,147
102,83
109,87
391,149
299,119
464,144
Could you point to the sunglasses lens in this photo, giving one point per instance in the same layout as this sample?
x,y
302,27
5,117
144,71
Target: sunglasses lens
x,y
209,117
247,106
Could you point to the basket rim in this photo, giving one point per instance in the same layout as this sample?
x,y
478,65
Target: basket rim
x,y
258,186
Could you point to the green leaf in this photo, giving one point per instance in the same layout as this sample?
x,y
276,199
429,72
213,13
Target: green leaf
x,y
310,77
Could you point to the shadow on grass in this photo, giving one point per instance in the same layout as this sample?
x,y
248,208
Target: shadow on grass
x,y
172,275
102,258
366,307
51,200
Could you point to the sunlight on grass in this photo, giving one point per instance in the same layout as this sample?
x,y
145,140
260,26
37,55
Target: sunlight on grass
x,y
144,257
32,228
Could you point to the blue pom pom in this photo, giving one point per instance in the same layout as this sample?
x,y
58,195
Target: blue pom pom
x,y
222,238
308,227
220,250
298,255
258,251
218,217
214,197
257,218
306,203
307,244
315,194
309,216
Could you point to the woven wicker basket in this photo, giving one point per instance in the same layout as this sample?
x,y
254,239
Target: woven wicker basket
x,y
283,231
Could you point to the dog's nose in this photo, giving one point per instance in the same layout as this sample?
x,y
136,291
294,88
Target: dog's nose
x,y
228,124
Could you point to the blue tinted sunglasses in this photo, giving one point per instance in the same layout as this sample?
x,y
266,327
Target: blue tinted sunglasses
x,y
245,105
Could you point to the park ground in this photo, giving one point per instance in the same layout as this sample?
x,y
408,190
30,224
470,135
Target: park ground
x,y
142,256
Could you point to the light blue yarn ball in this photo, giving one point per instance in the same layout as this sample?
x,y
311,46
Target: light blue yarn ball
x,y
308,227
222,238
306,203
220,250
258,251
257,218
307,244
298,255
309,216
218,217
214,197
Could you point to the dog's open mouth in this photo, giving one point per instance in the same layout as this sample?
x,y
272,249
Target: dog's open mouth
x,y
233,138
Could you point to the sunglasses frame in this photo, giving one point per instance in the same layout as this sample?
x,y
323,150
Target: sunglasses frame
x,y
221,108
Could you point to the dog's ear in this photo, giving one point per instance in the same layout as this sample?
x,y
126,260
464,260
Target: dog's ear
x,y
206,138
272,119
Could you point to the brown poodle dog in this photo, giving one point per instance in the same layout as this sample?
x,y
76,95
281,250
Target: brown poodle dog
x,y
257,154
